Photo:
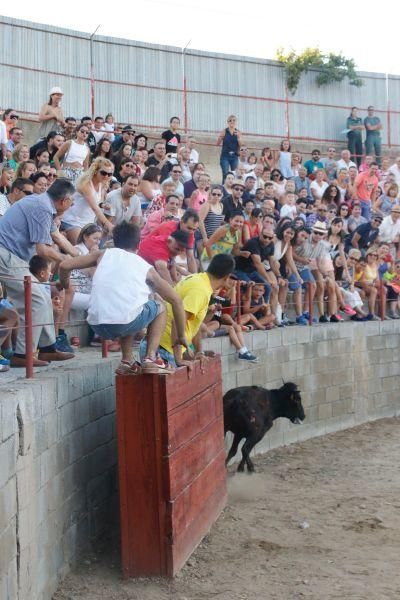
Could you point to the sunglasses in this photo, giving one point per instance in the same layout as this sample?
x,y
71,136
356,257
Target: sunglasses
x,y
177,172
27,192
268,237
105,173
14,117
51,176
321,233
238,189
216,194
377,220
85,132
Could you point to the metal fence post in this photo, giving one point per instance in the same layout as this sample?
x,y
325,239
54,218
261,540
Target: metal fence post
x,y
28,327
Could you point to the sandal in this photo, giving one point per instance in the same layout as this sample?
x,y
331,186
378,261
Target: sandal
x,y
156,365
127,367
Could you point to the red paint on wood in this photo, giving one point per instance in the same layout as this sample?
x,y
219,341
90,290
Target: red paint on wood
x,y
171,466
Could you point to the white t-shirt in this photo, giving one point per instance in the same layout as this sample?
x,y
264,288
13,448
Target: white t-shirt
x,y
396,172
388,230
342,165
319,189
119,211
194,156
4,204
119,288
3,134
288,211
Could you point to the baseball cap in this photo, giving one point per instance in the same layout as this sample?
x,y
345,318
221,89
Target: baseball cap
x,y
128,129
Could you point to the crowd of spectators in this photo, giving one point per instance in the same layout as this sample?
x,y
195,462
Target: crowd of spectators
x,y
106,222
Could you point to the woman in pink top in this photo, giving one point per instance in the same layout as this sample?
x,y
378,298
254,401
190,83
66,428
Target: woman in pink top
x,y
200,196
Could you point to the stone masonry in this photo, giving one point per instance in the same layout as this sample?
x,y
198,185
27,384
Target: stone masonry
x,y
58,479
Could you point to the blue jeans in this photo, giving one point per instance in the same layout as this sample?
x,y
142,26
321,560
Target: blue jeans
x,y
254,276
366,209
228,162
306,276
110,331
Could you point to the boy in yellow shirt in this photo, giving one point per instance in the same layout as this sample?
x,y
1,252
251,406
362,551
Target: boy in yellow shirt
x,y
195,292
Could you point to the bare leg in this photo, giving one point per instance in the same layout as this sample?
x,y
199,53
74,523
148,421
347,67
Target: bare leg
x,y
154,332
126,348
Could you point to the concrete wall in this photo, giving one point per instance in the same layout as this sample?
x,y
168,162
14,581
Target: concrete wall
x,y
57,474
57,435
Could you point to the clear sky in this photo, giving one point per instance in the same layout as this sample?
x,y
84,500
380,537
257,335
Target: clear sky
x,y
256,28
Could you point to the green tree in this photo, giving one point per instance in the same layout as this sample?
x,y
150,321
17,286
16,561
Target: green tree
x,y
331,67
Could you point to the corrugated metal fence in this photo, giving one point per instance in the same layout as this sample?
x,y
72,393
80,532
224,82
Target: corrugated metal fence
x,y
146,84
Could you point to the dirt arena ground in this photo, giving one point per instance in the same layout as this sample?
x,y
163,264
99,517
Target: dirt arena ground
x,y
319,520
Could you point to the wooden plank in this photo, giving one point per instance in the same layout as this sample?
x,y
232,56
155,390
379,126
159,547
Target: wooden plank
x,y
180,388
140,489
184,509
192,514
192,458
189,539
188,419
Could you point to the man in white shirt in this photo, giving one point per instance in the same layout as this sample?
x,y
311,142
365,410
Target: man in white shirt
x,y
389,229
395,170
123,204
345,162
194,155
122,301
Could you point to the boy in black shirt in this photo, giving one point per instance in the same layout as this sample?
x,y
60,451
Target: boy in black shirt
x,y
171,136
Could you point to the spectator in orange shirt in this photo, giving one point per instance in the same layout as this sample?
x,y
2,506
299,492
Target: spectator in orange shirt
x,y
366,185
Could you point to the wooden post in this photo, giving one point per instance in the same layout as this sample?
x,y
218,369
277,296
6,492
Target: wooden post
x,y
171,460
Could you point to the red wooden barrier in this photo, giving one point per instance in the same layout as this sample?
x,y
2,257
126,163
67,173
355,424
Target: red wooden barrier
x,y
171,466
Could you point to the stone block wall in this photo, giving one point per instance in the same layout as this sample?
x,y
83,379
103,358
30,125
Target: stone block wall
x,y
58,459
58,473
348,373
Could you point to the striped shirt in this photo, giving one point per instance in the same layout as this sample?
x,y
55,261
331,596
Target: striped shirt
x,y
26,223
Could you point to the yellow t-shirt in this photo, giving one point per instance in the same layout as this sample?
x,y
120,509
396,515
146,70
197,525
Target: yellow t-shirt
x,y
195,292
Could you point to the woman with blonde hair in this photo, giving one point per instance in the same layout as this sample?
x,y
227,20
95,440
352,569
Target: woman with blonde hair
x,y
19,155
91,189
26,169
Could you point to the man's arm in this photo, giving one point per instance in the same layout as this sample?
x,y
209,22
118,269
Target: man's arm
x,y
191,261
256,260
275,267
162,269
169,294
355,239
49,253
64,244
78,262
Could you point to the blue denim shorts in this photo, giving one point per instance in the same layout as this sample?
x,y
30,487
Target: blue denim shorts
x,y
67,226
5,305
306,276
150,311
